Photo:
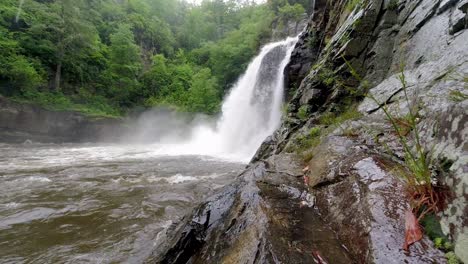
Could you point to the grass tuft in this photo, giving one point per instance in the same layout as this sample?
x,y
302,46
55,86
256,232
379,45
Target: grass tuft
x,y
303,112
457,96
352,4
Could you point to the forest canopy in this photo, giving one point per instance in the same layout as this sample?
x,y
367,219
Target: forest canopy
x,y
103,57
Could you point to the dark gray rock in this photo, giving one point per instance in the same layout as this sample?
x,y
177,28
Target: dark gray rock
x,y
21,122
265,218
365,203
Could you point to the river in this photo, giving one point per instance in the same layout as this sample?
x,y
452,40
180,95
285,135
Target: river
x,y
96,203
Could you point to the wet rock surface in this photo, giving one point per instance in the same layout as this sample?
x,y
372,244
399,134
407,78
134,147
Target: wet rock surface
x,y
267,217
350,211
365,204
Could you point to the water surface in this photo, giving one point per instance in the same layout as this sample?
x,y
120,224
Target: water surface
x,y
89,203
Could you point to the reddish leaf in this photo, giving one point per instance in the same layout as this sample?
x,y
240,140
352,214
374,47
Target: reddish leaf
x,y
317,258
306,180
413,231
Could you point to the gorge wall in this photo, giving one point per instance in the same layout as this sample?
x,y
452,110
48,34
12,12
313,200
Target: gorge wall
x,y
326,185
21,122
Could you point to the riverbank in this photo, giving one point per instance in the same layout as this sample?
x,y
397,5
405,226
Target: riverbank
x,y
20,122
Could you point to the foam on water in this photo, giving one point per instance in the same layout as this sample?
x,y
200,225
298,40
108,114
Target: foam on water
x,y
37,179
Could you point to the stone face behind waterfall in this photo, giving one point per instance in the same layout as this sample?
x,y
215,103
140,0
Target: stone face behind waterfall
x,y
264,92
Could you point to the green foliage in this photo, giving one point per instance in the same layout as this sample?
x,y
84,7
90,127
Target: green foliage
x,y
306,143
315,132
310,139
291,12
313,40
417,161
439,242
457,96
203,95
22,74
326,76
352,4
103,55
303,112
335,119
432,228
84,102
124,66
392,5
452,258
285,109
229,57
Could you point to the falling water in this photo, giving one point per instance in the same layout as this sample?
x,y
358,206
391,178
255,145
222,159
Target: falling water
x,y
20,7
252,110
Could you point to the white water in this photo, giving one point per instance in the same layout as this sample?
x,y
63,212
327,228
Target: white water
x,y
250,113
18,13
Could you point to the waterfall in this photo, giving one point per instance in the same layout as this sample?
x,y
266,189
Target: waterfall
x,y
250,113
18,13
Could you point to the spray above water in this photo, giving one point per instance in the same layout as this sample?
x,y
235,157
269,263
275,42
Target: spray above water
x,y
250,113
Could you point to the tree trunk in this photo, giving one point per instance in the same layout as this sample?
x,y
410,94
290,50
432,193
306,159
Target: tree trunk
x,y
58,76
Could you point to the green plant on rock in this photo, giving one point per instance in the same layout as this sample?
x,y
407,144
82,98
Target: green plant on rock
x,y
439,242
326,76
313,39
285,109
417,159
352,4
345,38
311,139
335,119
303,112
452,258
457,96
315,132
307,155
392,5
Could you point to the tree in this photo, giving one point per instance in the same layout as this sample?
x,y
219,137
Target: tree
x,y
203,95
124,63
291,12
158,78
73,34
110,54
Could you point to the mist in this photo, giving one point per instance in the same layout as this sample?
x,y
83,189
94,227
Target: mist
x,y
163,125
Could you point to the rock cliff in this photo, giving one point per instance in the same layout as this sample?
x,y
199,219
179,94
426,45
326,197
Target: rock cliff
x,y
21,122
327,186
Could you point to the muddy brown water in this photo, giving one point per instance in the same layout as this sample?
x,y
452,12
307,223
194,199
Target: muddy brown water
x,y
92,203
